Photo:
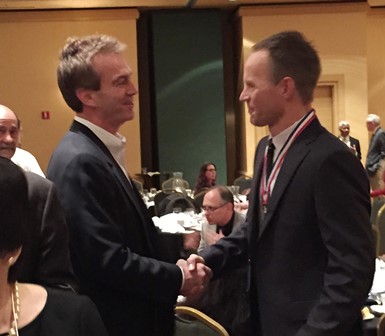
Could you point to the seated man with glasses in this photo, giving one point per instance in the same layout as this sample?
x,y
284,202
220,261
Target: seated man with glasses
x,y
225,299
218,207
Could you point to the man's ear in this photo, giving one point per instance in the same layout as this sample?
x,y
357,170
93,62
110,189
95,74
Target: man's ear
x,y
86,96
288,87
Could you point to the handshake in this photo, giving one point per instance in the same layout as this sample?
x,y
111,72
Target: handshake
x,y
196,276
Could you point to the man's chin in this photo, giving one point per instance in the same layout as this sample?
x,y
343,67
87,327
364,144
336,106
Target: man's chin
x,y
130,115
7,153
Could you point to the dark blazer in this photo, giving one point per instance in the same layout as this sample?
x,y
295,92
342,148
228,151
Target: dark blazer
x,y
45,256
114,242
356,143
376,152
312,255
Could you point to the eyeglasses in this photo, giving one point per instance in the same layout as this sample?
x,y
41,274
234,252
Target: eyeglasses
x,y
210,209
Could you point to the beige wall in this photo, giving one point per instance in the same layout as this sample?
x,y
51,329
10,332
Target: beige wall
x,y
350,39
29,47
376,64
339,33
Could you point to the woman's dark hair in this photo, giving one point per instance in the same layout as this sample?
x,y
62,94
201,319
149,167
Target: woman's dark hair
x,y
14,209
202,182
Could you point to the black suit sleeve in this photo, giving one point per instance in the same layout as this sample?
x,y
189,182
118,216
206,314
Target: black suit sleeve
x,y
343,208
45,255
52,265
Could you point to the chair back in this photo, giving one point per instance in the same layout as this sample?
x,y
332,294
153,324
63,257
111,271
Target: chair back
x,y
377,203
376,236
244,183
158,198
198,200
192,322
174,200
176,183
381,326
380,225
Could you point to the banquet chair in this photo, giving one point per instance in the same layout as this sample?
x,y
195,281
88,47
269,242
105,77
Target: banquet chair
x,y
192,322
158,199
380,224
377,203
174,200
244,183
381,326
376,235
198,200
176,182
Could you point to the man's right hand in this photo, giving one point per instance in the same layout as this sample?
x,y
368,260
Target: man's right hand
x,y
196,276
193,260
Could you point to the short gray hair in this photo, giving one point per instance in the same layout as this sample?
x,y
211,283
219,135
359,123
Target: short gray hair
x,y
343,123
373,118
76,70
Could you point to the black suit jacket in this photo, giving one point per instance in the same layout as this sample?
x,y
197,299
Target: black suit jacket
x,y
376,152
45,256
356,143
114,243
312,255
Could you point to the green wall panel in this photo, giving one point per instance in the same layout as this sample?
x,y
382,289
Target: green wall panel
x,y
188,74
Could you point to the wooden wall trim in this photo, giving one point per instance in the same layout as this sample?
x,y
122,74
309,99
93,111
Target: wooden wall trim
x,y
68,15
303,9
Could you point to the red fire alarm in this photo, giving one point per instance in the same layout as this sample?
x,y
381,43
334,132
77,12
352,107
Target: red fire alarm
x,y
45,115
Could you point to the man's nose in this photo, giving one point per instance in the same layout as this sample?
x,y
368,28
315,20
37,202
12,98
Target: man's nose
x,y
131,89
8,137
242,96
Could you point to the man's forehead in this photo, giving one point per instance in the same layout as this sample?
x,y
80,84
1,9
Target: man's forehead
x,y
8,121
212,196
7,114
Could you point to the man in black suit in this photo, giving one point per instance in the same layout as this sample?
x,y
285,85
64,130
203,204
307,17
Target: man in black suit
x,y
376,152
114,244
307,236
349,141
45,256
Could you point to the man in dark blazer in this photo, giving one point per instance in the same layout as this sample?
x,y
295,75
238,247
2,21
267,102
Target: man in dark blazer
x,y
114,245
307,235
45,256
376,152
345,137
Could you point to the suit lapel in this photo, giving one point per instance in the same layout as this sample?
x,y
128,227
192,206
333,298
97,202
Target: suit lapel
x,y
294,157
130,190
253,212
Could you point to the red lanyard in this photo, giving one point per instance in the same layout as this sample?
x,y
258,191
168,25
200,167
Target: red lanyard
x,y
268,185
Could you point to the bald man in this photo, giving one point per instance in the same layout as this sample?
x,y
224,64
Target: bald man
x,y
45,256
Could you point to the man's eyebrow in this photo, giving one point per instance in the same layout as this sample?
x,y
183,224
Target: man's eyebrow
x,y
121,76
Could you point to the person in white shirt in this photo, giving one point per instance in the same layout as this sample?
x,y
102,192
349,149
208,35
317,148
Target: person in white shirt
x,y
10,142
26,161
